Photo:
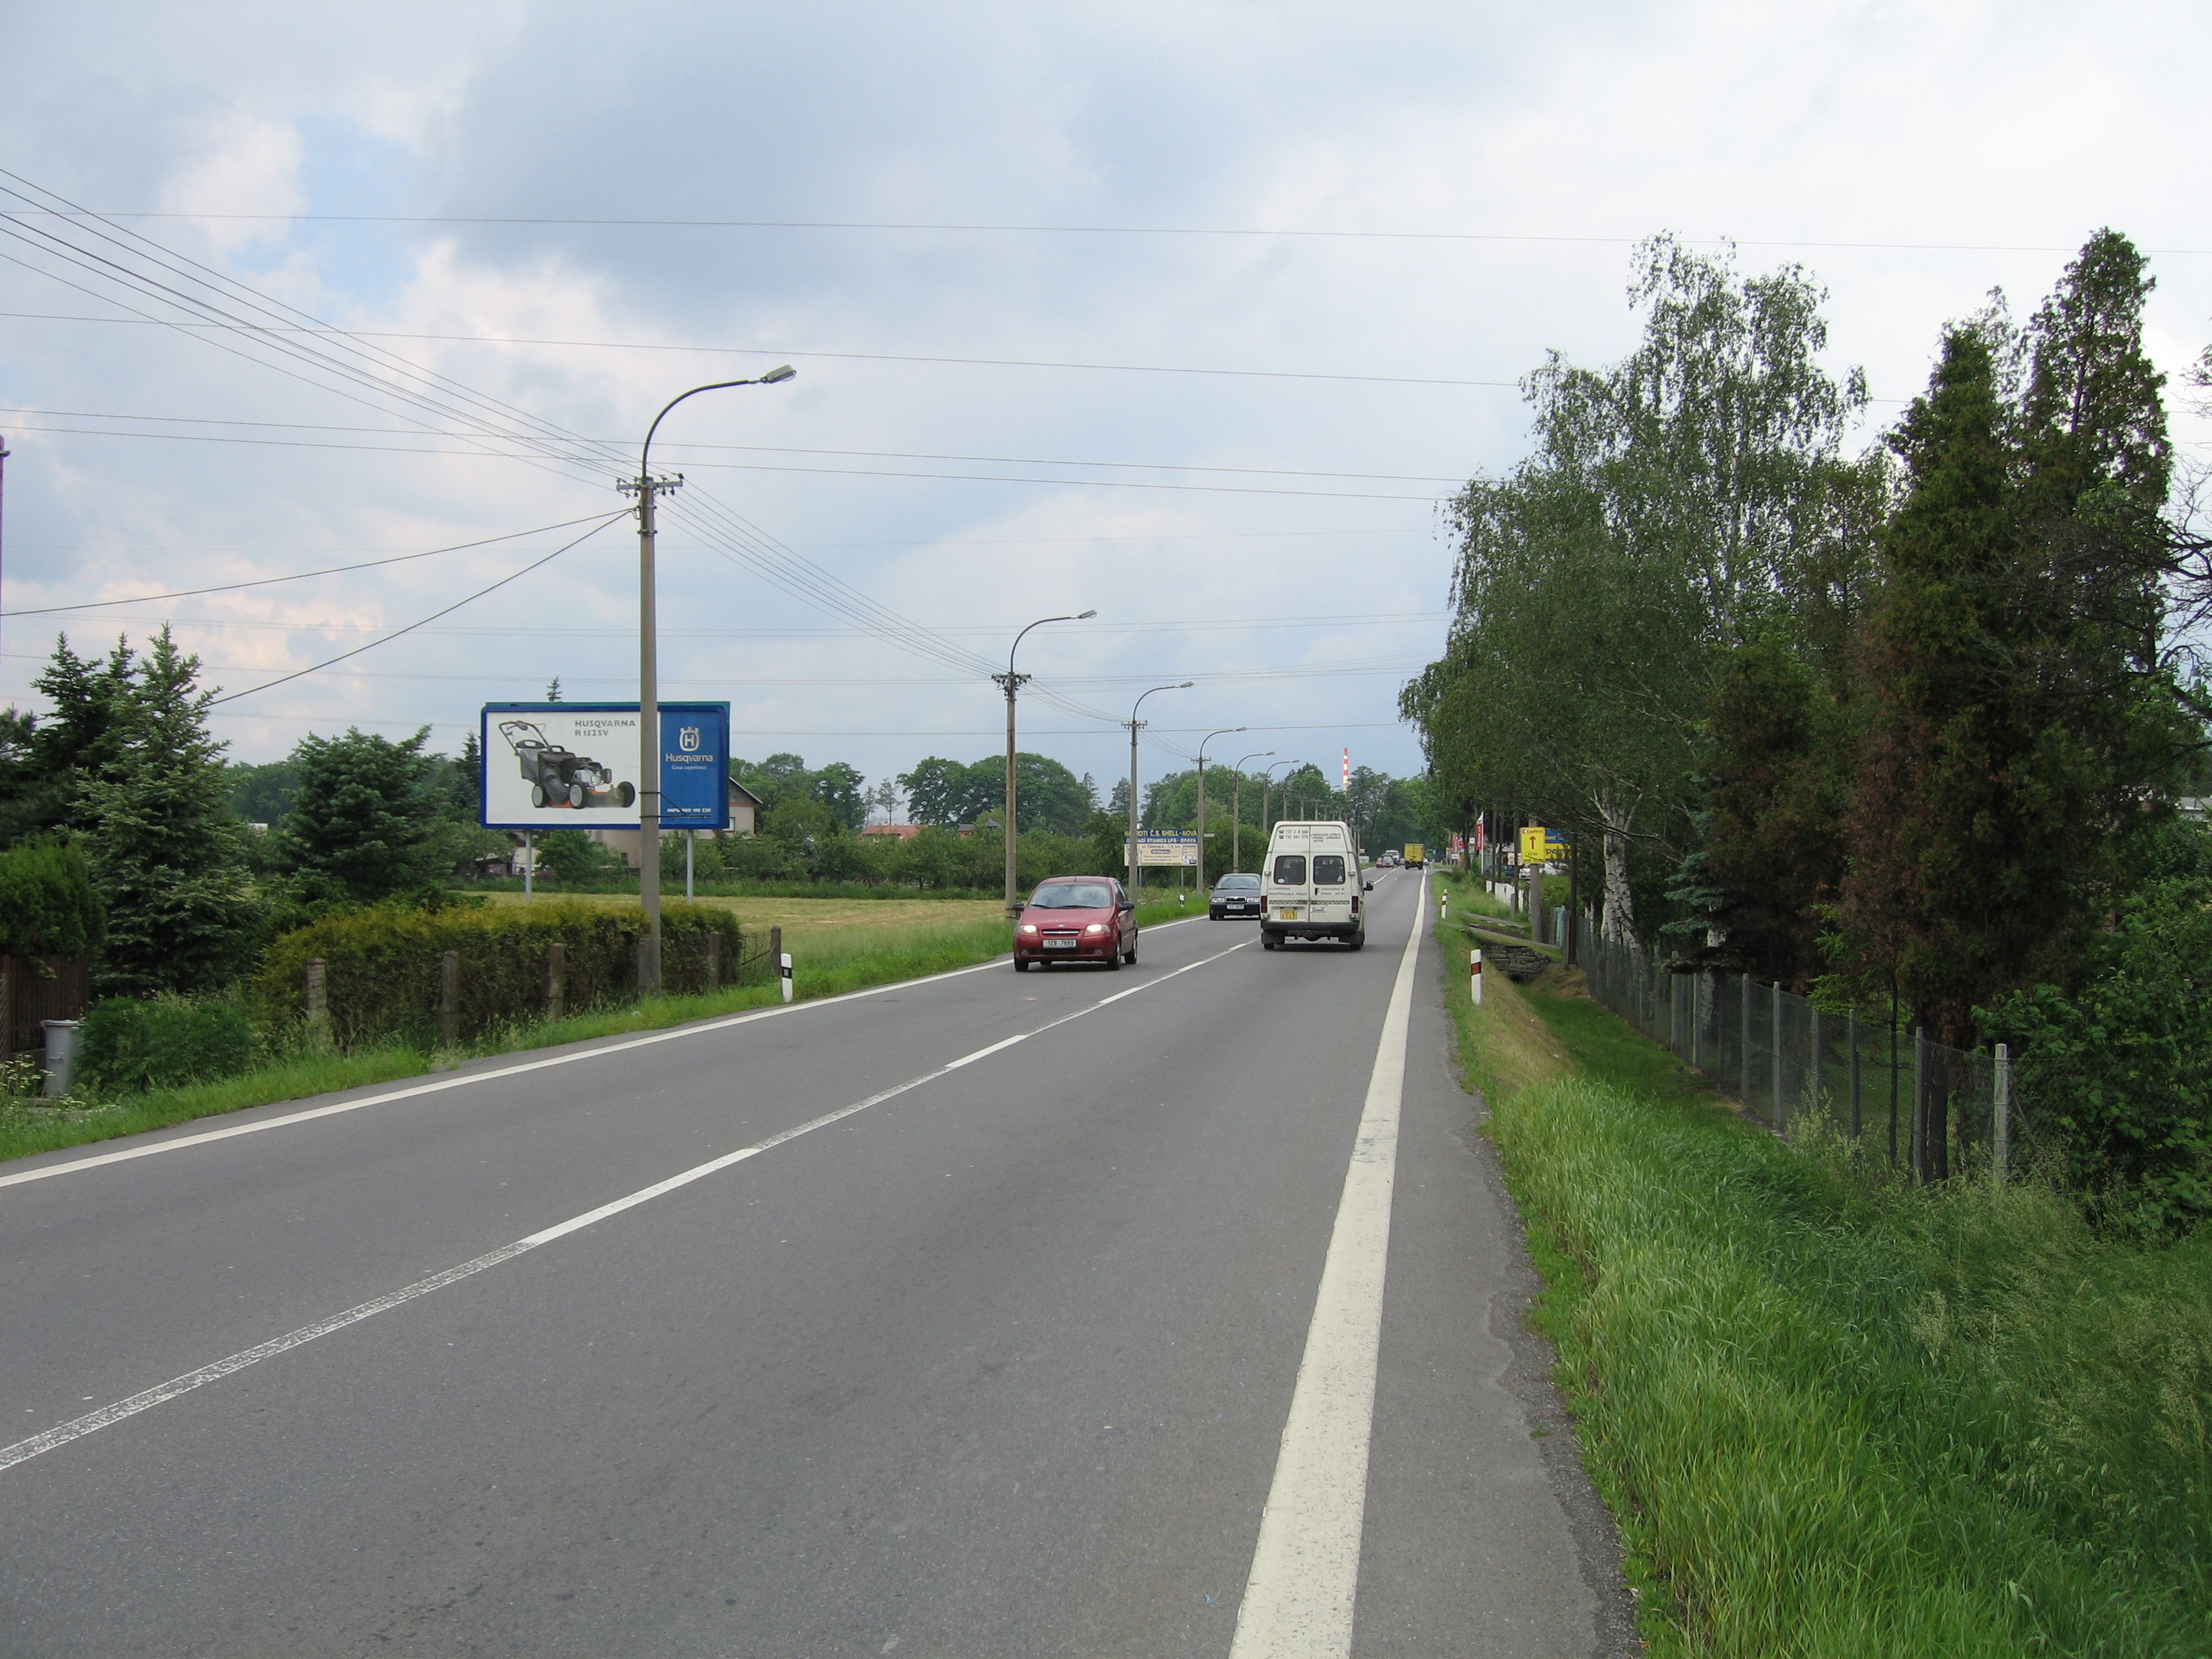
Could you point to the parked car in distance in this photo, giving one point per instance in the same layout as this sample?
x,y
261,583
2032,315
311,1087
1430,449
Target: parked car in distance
x,y
1311,886
1234,895
1077,919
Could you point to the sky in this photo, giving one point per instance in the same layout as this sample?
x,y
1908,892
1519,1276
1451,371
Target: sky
x,y
1188,315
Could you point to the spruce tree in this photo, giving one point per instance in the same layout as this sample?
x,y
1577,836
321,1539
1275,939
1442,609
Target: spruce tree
x,y
167,857
362,823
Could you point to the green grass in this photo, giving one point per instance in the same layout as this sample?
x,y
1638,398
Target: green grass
x,y
1839,1417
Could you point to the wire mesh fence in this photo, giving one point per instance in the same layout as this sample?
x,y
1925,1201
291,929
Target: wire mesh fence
x,y
1932,1111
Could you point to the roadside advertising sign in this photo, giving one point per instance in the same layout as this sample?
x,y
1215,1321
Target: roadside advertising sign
x,y
573,765
1171,847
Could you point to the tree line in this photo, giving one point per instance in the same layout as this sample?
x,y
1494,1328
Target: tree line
x,y
1905,729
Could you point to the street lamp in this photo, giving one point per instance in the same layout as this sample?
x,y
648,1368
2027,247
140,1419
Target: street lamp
x,y
1236,807
1134,724
1202,741
1266,782
647,488
1014,682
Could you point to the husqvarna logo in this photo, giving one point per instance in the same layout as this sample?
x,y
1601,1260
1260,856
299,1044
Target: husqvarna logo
x,y
687,739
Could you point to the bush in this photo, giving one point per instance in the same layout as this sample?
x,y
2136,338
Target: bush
x,y
131,1045
2114,1069
382,966
48,906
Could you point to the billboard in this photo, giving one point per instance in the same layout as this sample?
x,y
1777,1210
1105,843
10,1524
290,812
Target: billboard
x,y
573,766
1169,847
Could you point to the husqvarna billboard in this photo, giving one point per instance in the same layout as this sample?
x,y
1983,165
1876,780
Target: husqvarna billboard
x,y
575,765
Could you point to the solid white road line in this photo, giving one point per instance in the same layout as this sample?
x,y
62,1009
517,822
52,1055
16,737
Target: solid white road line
x,y
1305,1568
46,1172
60,1434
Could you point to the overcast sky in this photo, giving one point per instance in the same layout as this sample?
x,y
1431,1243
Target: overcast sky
x,y
1101,194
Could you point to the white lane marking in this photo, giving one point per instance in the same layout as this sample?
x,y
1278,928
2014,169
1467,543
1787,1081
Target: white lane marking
x,y
1299,1596
23,1451
179,1143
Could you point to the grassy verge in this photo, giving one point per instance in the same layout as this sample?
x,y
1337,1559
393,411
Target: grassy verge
x,y
826,961
1836,1416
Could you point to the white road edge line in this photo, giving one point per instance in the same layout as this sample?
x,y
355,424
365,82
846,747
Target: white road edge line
x,y
23,1451
46,1172
1300,1595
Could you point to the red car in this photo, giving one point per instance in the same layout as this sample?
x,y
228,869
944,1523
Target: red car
x,y
1077,919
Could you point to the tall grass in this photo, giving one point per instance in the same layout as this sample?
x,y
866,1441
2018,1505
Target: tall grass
x,y
1837,1416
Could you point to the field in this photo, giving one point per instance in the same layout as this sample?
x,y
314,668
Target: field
x,y
836,923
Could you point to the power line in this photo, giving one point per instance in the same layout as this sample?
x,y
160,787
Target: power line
x,y
768,449
282,679
743,466
304,575
827,356
1287,232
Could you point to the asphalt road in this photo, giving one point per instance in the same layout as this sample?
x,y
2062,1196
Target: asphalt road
x,y
998,1363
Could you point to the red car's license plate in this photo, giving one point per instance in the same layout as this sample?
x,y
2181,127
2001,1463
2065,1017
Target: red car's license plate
x,y
1059,945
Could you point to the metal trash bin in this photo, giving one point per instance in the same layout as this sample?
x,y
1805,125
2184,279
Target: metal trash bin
x,y
62,1038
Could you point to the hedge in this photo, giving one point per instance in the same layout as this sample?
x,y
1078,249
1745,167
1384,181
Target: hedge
x,y
131,1045
47,906
383,967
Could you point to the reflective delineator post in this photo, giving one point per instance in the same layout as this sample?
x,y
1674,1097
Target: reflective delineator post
x,y
1443,907
784,968
1474,976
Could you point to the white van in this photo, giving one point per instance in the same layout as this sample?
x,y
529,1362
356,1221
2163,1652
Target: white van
x,y
1311,887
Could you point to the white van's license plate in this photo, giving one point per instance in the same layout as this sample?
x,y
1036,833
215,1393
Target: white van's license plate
x,y
1290,914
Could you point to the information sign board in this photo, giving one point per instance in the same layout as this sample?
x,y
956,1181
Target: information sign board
x,y
573,765
1169,847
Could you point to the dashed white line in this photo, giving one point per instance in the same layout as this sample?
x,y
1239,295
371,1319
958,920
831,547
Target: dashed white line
x,y
62,1433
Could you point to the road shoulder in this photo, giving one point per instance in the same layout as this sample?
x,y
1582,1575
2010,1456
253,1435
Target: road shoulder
x,y
1484,1534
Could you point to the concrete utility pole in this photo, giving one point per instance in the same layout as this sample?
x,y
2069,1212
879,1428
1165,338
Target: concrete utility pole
x,y
1267,784
1013,684
1134,725
648,489
1237,809
1202,741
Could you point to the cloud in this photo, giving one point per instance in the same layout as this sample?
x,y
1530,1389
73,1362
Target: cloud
x,y
1873,127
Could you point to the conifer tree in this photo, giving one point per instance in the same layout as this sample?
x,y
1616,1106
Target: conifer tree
x,y
166,856
362,823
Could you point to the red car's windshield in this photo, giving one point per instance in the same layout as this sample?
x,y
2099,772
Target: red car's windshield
x,y
1074,895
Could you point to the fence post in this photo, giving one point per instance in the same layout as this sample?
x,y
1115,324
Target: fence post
x,y
2001,1113
6,1008
1697,1018
715,961
1815,1070
1774,998
1916,1149
449,998
319,1003
1745,1090
1851,1035
556,980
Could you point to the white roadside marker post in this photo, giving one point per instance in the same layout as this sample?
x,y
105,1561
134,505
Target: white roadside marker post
x,y
1474,976
783,967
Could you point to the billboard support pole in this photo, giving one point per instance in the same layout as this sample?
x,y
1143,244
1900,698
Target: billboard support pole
x,y
529,863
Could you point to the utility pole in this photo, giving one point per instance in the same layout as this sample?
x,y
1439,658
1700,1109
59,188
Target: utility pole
x,y
1237,809
647,488
1013,683
1134,725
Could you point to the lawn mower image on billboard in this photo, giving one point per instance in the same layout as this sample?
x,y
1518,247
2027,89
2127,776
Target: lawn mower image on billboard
x,y
561,777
